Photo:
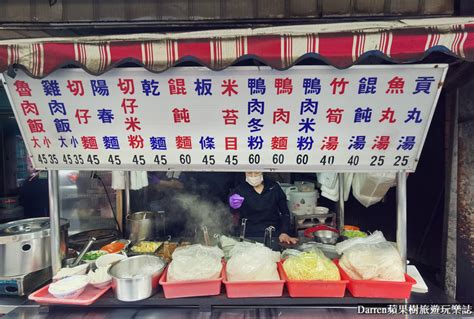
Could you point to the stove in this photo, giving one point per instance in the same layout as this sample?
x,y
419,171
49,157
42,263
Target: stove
x,y
24,284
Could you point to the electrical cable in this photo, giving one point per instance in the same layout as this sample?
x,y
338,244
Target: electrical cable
x,y
94,175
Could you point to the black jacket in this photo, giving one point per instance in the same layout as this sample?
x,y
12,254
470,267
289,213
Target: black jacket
x,y
262,210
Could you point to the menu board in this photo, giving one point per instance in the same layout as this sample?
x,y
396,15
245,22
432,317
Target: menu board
x,y
306,118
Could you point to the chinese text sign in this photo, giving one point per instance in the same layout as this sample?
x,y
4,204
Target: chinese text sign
x,y
307,118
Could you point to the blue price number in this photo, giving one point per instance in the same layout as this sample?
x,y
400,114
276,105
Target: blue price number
x,y
377,160
231,160
353,160
401,160
114,160
327,160
302,159
254,159
93,159
160,160
139,159
278,159
185,159
208,160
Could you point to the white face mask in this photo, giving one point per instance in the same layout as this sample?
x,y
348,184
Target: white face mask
x,y
254,180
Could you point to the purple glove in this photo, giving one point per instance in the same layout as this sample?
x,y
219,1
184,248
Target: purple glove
x,y
235,201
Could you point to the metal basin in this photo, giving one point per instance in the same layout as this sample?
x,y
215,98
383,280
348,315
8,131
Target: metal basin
x,y
136,278
326,236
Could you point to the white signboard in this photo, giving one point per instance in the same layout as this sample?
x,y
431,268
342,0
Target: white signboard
x,y
307,118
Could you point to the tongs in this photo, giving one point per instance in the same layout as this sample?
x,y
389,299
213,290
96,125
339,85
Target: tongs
x,y
243,226
267,239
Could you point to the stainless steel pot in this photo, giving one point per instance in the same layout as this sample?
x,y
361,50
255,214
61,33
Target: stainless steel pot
x,y
145,225
136,278
25,245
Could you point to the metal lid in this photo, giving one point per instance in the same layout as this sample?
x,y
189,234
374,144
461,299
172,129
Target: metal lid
x,y
27,226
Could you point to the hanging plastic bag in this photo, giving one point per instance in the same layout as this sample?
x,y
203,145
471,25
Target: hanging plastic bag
x,y
310,265
250,262
195,262
370,188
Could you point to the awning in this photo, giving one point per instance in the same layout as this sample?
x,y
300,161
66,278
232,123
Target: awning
x,y
341,45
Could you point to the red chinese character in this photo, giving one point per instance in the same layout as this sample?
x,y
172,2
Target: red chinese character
x,y
36,126
231,143
279,143
334,115
129,105
388,114
330,143
35,140
29,107
280,115
89,142
181,115
177,87
230,117
82,116
284,86
339,84
46,142
126,86
183,142
381,143
229,87
22,88
395,85
132,124
135,141
75,87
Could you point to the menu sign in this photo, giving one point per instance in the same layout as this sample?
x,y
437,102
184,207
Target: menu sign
x,y
307,118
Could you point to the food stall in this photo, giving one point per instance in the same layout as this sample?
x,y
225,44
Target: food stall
x,y
280,117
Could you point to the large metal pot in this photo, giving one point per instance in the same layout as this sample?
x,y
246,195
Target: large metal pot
x,y
145,225
136,278
25,245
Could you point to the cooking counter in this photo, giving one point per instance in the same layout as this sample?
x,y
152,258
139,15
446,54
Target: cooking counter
x,y
219,306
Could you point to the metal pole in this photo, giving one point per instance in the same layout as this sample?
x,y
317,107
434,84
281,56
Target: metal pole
x,y
402,216
55,232
127,192
340,177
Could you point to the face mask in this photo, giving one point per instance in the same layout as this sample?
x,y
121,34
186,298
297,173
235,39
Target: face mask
x,y
254,180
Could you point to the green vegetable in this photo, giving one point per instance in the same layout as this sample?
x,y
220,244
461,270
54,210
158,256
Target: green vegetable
x,y
353,233
93,255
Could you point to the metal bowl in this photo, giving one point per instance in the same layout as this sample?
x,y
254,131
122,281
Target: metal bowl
x,y
136,278
326,236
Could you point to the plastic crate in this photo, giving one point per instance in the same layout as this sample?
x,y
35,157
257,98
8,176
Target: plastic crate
x,y
314,288
254,289
190,288
379,288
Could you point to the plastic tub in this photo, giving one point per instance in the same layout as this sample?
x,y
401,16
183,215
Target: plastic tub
x,y
191,288
71,293
379,288
313,288
254,289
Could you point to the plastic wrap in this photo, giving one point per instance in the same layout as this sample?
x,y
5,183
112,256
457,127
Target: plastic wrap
x,y
310,265
379,261
370,188
250,262
195,262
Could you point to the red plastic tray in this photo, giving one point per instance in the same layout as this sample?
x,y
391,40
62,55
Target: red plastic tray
x,y
191,288
254,289
379,288
314,288
89,296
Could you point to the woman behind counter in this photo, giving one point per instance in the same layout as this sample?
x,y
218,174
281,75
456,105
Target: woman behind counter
x,y
263,203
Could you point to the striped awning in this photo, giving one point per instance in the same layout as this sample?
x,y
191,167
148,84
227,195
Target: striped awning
x,y
341,45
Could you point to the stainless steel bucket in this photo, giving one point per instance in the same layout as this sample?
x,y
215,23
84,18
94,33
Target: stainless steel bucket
x,y
25,246
145,225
